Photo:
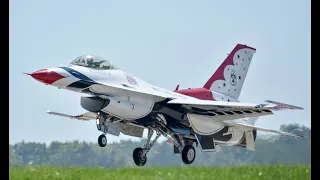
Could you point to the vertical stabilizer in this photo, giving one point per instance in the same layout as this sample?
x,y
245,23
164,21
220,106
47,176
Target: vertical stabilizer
x,y
230,76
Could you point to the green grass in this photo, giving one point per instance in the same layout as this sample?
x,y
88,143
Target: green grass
x,y
145,173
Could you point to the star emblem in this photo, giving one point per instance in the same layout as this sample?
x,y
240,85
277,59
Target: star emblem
x,y
238,56
233,77
239,77
224,84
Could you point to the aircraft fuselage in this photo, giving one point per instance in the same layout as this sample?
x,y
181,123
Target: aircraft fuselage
x,y
133,105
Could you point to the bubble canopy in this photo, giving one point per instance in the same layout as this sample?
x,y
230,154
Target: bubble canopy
x,y
93,62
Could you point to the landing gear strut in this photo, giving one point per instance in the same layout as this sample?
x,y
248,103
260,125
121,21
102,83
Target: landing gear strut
x,y
102,125
185,147
140,154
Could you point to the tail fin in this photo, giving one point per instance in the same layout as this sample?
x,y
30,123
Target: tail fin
x,y
230,76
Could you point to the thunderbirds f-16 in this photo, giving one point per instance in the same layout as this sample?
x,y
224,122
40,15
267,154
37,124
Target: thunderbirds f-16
x,y
209,117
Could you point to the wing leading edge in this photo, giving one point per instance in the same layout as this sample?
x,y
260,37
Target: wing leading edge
x,y
85,116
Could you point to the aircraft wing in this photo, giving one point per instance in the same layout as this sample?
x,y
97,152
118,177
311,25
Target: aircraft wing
x,y
105,89
115,89
114,129
222,105
251,127
211,105
85,116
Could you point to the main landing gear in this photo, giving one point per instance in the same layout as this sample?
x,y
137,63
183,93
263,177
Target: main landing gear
x,y
188,154
186,149
140,154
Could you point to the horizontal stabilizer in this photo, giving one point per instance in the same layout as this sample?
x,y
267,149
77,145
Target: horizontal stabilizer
x,y
251,127
283,105
85,116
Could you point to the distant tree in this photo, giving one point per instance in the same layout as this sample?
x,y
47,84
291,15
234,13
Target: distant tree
x,y
270,149
14,159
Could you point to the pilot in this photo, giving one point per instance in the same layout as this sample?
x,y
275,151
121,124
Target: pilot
x,y
90,61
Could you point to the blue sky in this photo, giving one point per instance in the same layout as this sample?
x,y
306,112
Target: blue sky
x,y
163,42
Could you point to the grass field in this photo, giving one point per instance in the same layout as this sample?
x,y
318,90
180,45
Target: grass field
x,y
146,173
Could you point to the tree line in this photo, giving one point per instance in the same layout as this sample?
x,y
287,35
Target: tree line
x,y
270,149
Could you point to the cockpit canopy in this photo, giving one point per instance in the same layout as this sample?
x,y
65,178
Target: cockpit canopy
x,y
93,62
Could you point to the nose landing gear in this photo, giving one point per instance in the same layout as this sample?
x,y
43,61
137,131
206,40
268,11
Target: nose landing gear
x,y
102,125
102,140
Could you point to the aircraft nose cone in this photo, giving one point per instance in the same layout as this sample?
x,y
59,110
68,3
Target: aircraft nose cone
x,y
46,76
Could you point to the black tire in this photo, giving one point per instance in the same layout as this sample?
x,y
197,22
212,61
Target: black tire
x,y
188,154
102,140
137,157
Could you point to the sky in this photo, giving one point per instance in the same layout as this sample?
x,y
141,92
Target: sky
x,y
163,42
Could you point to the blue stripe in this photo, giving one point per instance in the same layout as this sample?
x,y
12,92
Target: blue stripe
x,y
77,74
81,84
87,91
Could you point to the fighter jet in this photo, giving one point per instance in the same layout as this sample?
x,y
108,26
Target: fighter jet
x,y
209,117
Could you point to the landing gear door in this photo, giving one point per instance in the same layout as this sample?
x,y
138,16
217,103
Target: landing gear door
x,y
206,143
113,129
132,130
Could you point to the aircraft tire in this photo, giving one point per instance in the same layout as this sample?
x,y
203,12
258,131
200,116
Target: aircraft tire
x,y
137,157
188,154
102,140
